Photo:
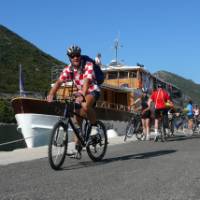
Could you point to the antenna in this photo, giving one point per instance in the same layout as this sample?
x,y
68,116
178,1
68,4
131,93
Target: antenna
x,y
117,45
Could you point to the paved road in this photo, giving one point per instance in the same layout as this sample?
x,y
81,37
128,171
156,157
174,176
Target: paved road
x,y
134,170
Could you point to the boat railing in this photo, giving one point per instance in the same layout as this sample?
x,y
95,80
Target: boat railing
x,y
113,106
55,72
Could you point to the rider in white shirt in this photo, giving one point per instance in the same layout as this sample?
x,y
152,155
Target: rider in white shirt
x,y
98,59
196,111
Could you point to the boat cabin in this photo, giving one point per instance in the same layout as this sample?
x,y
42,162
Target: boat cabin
x,y
122,86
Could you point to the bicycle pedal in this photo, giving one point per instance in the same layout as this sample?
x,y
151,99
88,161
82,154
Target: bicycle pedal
x,y
77,155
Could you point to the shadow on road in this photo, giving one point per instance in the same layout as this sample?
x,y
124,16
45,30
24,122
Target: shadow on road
x,y
145,155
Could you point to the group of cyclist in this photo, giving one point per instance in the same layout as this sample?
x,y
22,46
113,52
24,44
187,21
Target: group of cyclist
x,y
157,104
160,104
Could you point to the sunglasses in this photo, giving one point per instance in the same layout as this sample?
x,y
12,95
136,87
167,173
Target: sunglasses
x,y
75,55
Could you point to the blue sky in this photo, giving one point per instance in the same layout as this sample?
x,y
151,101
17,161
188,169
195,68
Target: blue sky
x,y
160,34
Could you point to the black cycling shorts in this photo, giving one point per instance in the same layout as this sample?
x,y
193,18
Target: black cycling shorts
x,y
158,112
146,115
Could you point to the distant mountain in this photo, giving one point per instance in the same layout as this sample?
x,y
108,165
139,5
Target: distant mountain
x,y
188,87
36,64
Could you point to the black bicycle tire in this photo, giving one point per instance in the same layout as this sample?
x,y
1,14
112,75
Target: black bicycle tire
x,y
50,156
163,133
171,127
194,128
129,130
90,154
139,131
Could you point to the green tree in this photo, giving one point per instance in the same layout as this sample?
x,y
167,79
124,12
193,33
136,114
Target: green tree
x,y
6,112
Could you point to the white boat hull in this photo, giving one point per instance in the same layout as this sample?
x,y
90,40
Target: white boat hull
x,y
36,128
36,118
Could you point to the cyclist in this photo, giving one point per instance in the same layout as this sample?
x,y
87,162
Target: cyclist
x,y
84,79
196,111
160,97
145,113
189,109
98,59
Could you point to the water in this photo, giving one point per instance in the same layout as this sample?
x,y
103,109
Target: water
x,y
8,133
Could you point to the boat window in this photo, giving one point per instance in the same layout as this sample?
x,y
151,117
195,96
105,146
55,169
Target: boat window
x,y
123,74
112,75
132,75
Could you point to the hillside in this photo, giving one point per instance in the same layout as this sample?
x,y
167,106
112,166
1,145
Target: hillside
x,y
36,65
188,87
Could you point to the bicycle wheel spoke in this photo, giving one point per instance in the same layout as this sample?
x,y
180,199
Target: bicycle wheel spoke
x,y
97,144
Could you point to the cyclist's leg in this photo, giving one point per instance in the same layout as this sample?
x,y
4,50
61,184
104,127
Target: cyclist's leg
x,y
156,123
147,122
88,109
190,123
165,118
87,106
144,133
78,120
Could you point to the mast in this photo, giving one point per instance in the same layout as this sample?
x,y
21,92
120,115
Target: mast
x,y
117,45
21,81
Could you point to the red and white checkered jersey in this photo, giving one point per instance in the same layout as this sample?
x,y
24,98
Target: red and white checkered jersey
x,y
79,76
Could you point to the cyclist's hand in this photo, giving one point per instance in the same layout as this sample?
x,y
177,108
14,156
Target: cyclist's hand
x,y
50,98
76,94
79,99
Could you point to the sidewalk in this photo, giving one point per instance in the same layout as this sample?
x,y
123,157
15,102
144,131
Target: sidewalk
x,y
22,155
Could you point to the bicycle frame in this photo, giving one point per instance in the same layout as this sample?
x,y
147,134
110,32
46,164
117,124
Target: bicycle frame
x,y
68,114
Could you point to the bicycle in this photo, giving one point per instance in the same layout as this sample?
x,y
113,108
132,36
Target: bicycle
x,y
96,145
134,126
180,121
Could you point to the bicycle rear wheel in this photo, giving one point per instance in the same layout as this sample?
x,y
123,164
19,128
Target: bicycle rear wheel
x,y
97,144
171,127
58,145
163,133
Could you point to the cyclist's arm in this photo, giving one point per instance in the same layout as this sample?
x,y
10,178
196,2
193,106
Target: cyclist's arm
x,y
149,102
88,77
86,85
137,100
148,108
54,90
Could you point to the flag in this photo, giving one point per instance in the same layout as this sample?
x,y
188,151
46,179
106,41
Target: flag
x,y
21,82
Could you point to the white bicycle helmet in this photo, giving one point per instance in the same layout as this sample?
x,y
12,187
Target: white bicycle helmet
x,y
74,49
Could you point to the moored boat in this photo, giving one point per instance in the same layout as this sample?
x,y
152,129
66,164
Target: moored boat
x,y
122,85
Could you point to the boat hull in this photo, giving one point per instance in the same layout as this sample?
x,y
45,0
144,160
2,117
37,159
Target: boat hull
x,y
36,118
35,128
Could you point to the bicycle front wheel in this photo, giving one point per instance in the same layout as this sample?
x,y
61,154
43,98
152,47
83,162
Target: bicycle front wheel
x,y
129,130
58,145
97,144
139,130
